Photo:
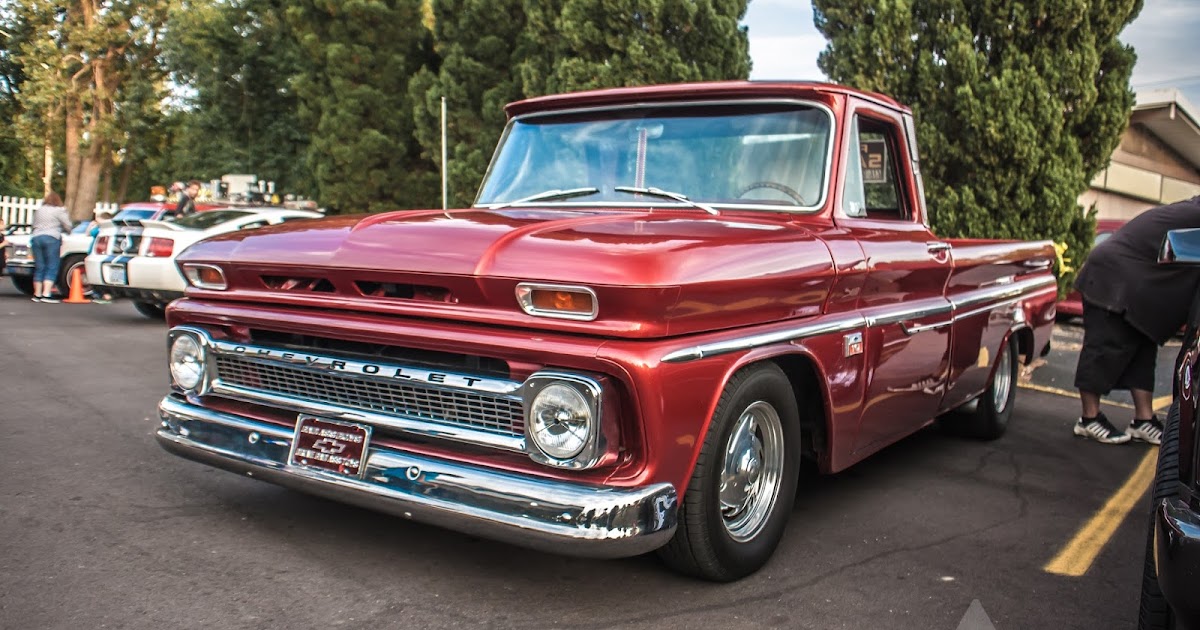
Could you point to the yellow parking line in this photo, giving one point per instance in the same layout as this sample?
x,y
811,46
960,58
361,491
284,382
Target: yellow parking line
x,y
1077,557
1069,394
1162,402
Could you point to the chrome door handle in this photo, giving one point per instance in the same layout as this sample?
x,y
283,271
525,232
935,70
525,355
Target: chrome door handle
x,y
937,247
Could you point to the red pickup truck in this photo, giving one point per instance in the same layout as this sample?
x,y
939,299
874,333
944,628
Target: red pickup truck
x,y
662,300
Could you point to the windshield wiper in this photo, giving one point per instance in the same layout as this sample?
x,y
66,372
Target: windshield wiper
x,y
666,194
547,195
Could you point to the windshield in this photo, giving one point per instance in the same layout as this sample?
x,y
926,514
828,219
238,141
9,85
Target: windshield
x,y
745,154
205,220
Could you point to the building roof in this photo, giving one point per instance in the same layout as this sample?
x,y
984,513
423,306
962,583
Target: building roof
x,y
1173,119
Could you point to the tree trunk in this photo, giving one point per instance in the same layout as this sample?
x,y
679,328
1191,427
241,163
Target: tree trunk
x,y
74,116
48,173
89,183
106,182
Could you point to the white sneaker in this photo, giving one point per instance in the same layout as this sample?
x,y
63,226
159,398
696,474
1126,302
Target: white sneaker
x,y
1101,430
1147,430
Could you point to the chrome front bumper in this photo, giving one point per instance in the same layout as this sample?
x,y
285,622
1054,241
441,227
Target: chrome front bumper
x,y
548,515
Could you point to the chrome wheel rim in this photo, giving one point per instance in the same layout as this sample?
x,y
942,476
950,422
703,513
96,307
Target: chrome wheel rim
x,y
751,471
83,282
1002,381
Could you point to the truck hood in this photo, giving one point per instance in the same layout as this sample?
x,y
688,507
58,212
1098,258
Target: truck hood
x,y
651,271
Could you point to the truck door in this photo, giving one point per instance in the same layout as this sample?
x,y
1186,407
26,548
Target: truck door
x,y
907,340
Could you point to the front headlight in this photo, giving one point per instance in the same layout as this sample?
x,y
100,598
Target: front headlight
x,y
562,420
187,362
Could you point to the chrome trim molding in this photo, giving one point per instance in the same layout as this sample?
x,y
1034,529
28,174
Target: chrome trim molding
x,y
838,324
1008,294
547,515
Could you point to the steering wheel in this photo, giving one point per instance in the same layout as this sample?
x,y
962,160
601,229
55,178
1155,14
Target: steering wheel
x,y
775,186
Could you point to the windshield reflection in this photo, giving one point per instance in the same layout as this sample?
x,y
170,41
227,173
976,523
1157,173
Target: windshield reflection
x,y
745,154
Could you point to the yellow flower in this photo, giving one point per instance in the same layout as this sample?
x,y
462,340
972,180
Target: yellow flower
x,y
1063,266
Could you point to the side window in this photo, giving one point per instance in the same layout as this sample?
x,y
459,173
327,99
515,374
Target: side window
x,y
882,196
854,198
253,224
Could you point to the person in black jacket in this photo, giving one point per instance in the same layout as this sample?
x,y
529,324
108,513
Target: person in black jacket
x,y
1131,305
187,200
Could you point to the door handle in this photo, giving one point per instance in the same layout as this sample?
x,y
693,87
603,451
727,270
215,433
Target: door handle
x,y
937,247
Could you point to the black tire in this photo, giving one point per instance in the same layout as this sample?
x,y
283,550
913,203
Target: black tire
x,y
705,544
150,309
990,418
24,284
1154,613
65,267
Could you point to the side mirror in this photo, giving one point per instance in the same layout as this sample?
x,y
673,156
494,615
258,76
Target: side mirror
x,y
1181,246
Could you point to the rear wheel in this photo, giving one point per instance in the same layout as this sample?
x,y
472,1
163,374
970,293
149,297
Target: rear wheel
x,y
742,489
150,309
1154,613
66,268
24,284
990,418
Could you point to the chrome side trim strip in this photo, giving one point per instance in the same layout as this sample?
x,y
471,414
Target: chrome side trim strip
x,y
1004,291
545,514
411,426
1008,293
746,343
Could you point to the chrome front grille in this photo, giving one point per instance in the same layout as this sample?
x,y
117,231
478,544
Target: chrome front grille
x,y
415,400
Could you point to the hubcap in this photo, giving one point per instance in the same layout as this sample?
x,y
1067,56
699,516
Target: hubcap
x,y
751,471
1002,381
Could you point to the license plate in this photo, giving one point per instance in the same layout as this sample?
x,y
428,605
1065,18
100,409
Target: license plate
x,y
330,446
114,274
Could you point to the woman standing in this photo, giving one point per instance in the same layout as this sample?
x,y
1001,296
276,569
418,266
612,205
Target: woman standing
x,y
50,220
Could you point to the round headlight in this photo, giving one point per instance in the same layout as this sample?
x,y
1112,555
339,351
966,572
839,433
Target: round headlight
x,y
187,362
560,420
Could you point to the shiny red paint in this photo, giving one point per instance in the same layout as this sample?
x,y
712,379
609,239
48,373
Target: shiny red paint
x,y
666,281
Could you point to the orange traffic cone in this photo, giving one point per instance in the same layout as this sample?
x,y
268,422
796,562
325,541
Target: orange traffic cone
x,y
76,296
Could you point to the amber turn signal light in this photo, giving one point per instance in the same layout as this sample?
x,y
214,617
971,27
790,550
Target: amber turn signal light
x,y
205,276
563,302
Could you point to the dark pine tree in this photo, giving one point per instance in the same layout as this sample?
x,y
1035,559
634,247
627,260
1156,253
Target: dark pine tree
x,y
1019,103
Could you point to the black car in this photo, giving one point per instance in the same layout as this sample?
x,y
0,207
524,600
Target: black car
x,y
1171,577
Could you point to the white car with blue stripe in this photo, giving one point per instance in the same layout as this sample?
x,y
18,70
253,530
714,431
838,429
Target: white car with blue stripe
x,y
136,259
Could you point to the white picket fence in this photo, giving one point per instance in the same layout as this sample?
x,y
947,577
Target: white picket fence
x,y
19,210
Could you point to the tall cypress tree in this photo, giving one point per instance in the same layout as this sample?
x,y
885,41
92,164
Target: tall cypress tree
x,y
582,44
474,44
354,99
1019,103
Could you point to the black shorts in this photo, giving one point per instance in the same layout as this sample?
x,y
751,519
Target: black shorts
x,y
1115,355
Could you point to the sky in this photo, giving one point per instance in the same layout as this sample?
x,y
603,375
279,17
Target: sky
x,y
784,44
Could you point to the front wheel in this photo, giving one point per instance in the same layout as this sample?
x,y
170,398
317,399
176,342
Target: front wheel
x,y
150,309
1154,612
741,492
67,267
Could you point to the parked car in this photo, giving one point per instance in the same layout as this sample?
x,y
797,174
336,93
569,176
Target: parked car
x,y
1072,305
135,259
662,300
75,245
1171,574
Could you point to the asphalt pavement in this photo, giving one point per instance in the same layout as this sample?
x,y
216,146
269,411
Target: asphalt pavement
x,y
100,528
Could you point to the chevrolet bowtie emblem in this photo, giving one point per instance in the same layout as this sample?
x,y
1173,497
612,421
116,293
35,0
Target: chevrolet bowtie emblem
x,y
329,446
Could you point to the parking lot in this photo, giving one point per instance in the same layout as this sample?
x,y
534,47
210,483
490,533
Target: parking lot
x,y
101,528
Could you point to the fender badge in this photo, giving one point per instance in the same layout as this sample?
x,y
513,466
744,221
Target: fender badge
x,y
853,344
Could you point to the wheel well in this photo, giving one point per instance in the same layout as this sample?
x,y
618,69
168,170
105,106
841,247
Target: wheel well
x,y
810,400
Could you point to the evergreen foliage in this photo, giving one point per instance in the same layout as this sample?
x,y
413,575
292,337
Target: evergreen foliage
x,y
241,114
474,45
1019,103
359,57
573,45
